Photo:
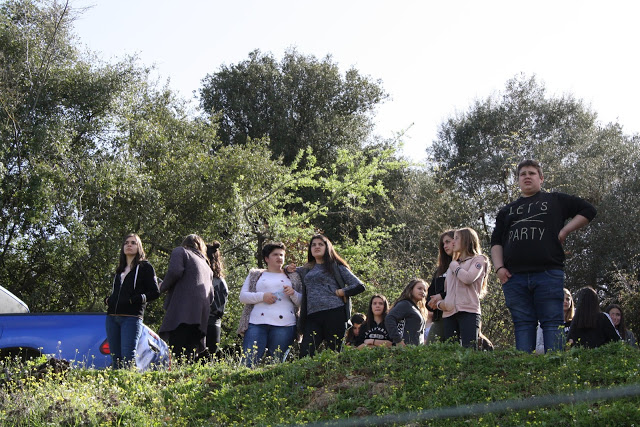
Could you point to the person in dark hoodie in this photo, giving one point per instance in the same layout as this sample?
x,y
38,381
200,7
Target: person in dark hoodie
x,y
590,327
220,297
134,285
375,332
406,320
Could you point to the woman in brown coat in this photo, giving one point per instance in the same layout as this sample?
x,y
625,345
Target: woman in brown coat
x,y
189,287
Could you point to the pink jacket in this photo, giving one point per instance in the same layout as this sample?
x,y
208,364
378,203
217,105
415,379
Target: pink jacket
x,y
464,285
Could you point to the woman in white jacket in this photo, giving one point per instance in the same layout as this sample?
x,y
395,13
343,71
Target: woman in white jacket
x,y
466,284
271,298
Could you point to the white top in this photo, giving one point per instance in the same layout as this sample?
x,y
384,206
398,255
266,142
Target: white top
x,y
281,312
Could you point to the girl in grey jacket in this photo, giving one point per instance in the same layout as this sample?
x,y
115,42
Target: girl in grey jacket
x,y
405,321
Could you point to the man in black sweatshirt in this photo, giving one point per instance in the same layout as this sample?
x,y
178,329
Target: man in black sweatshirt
x,y
527,253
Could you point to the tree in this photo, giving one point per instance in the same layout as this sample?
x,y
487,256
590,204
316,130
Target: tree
x,y
55,105
297,103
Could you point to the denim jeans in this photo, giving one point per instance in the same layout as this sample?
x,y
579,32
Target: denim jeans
x,y
533,298
274,340
123,333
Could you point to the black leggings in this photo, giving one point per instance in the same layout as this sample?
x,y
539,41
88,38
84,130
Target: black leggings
x,y
326,326
463,326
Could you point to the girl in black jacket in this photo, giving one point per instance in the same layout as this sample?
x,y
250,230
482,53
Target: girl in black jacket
x,y
437,290
134,285
590,327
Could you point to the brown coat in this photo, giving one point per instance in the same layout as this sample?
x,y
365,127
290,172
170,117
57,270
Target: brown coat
x,y
189,287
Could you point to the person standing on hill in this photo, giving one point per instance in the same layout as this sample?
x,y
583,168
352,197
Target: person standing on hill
x,y
220,297
526,250
466,284
272,299
437,289
134,285
189,287
328,287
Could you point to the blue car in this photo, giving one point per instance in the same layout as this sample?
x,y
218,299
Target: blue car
x,y
79,338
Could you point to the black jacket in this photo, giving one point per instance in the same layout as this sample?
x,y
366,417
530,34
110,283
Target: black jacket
x,y
437,287
130,297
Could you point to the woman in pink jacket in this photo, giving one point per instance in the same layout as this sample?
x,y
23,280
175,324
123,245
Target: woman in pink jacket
x,y
466,284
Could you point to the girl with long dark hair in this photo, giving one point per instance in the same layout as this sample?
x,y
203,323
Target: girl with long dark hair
x,y
220,297
437,290
134,285
375,332
590,327
617,318
328,285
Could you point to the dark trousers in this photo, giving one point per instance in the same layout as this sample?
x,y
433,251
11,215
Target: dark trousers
x,y
326,326
185,341
463,326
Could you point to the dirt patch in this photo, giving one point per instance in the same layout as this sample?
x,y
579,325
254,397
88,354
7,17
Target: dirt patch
x,y
322,397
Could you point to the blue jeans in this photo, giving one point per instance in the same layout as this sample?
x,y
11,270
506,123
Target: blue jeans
x,y
274,340
533,298
123,333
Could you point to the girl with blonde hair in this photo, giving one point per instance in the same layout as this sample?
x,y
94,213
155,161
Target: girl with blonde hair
x,y
466,284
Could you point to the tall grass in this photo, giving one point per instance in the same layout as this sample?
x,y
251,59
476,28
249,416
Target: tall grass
x,y
328,387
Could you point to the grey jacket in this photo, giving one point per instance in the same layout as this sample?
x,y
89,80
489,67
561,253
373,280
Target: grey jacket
x,y
189,287
405,322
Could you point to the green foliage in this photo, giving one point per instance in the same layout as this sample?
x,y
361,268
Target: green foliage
x,y
297,103
55,107
349,385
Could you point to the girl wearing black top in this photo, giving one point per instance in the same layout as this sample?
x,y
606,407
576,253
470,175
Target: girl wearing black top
x,y
375,332
134,285
617,318
590,327
437,290
354,334
220,297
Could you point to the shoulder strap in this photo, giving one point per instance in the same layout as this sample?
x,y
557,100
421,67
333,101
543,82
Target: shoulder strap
x,y
303,272
338,275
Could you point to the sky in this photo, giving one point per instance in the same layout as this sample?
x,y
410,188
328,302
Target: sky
x,y
434,58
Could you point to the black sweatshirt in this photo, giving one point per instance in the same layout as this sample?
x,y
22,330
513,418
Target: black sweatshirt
x,y
129,298
528,228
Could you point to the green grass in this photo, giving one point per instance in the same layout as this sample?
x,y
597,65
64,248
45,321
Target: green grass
x,y
331,387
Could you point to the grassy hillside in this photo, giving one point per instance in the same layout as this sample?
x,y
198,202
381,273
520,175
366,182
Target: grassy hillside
x,y
354,385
